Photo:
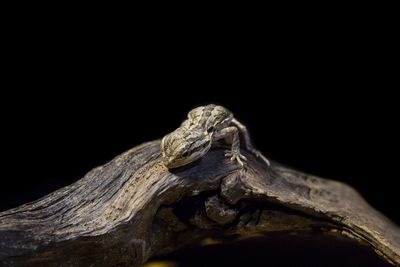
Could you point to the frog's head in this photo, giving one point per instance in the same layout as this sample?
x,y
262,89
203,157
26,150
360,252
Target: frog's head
x,y
182,147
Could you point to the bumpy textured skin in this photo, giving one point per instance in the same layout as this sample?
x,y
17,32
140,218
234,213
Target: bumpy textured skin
x,y
204,126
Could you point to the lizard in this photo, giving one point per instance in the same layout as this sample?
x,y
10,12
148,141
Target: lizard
x,y
204,126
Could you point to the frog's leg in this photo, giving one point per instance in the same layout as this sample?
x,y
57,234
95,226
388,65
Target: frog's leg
x,y
247,142
234,153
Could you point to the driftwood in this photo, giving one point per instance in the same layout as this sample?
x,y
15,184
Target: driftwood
x,y
133,208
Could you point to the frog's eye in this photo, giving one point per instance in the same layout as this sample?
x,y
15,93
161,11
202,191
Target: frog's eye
x,y
184,154
210,129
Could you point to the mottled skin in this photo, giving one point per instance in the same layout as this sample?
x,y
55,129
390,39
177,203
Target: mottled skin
x,y
205,125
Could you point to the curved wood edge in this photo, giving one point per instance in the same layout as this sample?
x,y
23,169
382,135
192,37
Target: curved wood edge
x,y
132,208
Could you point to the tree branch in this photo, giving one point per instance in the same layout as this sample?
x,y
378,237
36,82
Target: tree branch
x,y
133,208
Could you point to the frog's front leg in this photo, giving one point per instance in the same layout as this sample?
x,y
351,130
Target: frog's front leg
x,y
247,142
234,153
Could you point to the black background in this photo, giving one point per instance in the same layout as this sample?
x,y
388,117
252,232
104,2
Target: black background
x,y
317,97
51,139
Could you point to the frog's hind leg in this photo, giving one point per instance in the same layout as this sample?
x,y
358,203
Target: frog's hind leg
x,y
247,141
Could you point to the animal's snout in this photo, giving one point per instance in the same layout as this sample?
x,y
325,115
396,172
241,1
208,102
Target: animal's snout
x,y
167,161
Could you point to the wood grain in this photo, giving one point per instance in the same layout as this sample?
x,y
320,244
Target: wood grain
x,y
133,208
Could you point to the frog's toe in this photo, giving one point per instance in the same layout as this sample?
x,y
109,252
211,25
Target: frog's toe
x,y
236,156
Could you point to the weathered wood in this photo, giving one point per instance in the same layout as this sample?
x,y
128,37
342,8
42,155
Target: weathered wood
x,y
132,208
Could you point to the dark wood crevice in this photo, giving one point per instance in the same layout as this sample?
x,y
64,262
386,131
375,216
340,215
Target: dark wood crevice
x,y
133,208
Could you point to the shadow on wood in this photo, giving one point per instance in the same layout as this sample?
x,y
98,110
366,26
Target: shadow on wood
x,y
133,208
274,249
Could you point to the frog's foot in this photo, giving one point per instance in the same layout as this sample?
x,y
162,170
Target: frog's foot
x,y
236,156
